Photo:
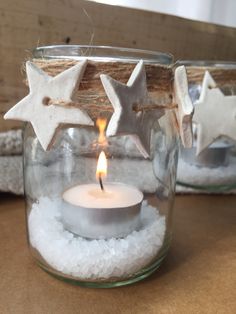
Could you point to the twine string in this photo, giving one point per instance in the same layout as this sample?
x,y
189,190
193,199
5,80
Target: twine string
x,y
136,108
91,96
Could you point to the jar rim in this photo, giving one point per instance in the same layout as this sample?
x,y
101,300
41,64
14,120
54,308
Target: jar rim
x,y
207,63
101,53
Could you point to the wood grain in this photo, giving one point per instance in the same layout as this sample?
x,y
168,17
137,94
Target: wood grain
x,y
32,23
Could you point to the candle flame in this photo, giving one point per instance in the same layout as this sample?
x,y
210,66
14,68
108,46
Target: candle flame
x,y
101,124
101,165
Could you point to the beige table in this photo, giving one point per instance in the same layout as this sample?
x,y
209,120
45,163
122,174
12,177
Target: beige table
x,y
198,276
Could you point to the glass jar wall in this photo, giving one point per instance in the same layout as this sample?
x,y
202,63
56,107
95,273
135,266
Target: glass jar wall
x,y
123,235
214,169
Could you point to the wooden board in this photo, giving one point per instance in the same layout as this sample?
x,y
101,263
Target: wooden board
x,y
31,23
198,275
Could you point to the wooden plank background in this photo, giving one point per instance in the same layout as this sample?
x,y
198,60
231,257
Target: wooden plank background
x,y
28,23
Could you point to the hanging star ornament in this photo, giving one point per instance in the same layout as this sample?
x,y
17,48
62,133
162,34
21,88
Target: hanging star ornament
x,y
215,114
46,118
124,98
184,112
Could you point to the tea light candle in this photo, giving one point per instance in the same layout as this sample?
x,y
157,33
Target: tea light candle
x,y
93,213
214,156
100,212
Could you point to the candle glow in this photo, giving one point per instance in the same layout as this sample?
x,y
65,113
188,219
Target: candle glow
x,y
102,161
101,124
101,168
101,165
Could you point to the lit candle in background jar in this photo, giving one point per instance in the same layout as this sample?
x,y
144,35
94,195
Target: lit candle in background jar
x,y
216,155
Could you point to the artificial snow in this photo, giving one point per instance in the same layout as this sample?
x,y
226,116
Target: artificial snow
x,y
93,259
204,176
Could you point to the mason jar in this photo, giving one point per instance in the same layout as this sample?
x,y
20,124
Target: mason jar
x,y
96,227
214,169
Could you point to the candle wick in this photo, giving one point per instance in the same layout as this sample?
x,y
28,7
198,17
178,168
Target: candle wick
x,y
100,181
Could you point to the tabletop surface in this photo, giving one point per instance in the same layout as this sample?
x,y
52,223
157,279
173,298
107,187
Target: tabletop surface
x,y
198,275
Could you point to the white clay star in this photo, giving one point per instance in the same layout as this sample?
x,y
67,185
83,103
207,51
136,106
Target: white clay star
x,y
184,111
215,114
125,121
44,118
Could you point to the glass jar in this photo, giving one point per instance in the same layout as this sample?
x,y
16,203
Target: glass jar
x,y
214,169
82,242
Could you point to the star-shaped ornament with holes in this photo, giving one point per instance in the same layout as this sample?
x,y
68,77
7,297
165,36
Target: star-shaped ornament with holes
x,y
46,118
125,99
215,114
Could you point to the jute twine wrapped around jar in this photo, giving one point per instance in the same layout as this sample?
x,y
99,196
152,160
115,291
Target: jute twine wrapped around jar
x,y
91,95
167,88
224,76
